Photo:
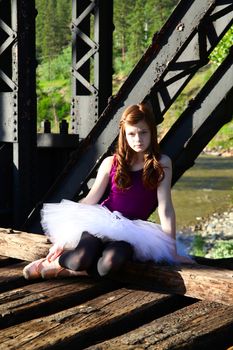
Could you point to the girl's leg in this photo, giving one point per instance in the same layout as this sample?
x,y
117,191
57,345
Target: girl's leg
x,y
84,255
115,255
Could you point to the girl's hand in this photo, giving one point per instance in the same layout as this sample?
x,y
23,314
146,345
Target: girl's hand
x,y
54,252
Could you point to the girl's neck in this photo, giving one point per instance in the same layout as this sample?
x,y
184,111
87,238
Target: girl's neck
x,y
137,163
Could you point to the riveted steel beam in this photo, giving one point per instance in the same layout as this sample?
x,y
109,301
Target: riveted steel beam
x,y
18,103
91,62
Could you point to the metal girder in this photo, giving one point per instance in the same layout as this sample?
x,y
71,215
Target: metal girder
x,y
91,62
164,61
18,100
205,115
8,69
192,55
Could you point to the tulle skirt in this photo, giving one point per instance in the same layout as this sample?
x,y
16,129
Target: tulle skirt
x,y
65,222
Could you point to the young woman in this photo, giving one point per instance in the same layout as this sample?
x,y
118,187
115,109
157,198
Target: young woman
x,y
100,238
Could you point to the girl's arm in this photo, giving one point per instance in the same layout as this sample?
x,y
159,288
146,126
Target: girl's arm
x,y
93,197
165,207
101,182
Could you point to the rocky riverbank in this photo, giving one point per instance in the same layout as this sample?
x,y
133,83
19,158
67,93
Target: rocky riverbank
x,y
210,237
218,151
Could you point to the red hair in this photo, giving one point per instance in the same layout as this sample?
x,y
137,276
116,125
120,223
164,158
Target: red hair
x,y
152,171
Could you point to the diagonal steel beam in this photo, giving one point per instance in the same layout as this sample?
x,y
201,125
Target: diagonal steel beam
x,y
203,118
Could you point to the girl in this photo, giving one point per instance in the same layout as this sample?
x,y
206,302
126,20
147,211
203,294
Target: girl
x,y
100,238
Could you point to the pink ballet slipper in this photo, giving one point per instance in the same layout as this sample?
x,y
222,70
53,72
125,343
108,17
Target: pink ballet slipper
x,y
52,269
32,270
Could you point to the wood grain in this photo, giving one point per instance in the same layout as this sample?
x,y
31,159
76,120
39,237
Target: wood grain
x,y
76,324
23,245
196,281
202,325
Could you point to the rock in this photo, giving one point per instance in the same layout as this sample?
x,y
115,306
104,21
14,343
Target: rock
x,y
218,227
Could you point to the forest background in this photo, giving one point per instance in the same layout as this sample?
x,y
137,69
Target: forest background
x,y
135,23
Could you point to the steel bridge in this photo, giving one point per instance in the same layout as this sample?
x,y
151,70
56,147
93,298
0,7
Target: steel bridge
x,y
48,167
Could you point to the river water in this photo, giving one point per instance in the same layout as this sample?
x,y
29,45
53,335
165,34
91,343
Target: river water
x,y
204,189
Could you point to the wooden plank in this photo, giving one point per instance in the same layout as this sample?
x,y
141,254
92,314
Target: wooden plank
x,y
45,297
196,281
11,276
14,271
202,325
4,261
23,245
85,323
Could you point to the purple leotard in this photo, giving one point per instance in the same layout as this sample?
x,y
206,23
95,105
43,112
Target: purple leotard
x,y
135,202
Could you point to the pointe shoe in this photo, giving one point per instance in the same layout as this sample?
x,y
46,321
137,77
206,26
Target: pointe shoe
x,y
32,270
52,269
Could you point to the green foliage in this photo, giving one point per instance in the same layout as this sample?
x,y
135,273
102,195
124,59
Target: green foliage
x,y
52,106
222,249
198,246
121,33
57,68
138,32
53,89
222,49
52,27
224,138
136,22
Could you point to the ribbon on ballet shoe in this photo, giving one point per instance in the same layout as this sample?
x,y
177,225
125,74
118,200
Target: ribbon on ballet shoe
x,y
58,271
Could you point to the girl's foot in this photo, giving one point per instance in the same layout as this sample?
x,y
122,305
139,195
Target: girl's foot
x,y
32,270
52,269
43,268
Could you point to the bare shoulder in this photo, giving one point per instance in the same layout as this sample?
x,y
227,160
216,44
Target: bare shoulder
x,y
165,161
107,164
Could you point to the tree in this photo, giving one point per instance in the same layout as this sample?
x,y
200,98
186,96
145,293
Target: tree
x,y
52,27
63,17
156,14
121,22
41,6
138,31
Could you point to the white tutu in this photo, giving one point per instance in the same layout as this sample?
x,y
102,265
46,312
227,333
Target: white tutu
x,y
65,222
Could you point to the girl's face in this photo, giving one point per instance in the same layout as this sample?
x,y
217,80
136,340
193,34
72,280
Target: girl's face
x,y
138,136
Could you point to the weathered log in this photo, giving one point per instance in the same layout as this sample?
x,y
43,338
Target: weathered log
x,y
196,281
23,245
